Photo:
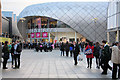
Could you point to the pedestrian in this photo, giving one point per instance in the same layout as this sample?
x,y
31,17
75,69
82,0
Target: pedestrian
x,y
62,49
71,49
5,56
41,47
17,53
96,53
76,51
105,58
82,46
12,55
115,60
67,48
89,56
37,47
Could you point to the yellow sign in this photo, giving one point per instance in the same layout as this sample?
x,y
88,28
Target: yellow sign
x,y
5,39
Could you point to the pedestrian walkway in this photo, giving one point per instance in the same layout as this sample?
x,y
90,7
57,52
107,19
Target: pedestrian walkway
x,y
51,65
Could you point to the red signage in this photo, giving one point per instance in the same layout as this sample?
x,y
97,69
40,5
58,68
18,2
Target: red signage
x,y
38,35
32,35
44,34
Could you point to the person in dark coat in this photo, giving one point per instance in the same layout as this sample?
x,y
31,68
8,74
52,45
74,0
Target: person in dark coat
x,y
67,48
76,51
62,49
37,47
105,58
6,54
41,46
50,47
96,53
71,49
12,55
45,47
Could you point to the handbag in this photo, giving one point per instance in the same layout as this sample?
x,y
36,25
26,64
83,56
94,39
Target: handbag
x,y
88,51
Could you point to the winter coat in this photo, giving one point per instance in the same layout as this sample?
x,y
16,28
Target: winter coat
x,y
115,55
91,55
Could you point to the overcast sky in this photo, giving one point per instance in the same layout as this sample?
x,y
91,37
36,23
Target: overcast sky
x,y
18,5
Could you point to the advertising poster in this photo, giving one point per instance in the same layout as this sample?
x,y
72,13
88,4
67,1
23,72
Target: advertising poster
x,y
44,34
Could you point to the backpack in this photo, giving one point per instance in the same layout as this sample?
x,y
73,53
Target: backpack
x,y
96,52
19,49
88,51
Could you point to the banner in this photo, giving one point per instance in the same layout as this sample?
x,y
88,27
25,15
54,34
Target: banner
x,y
32,35
2,39
44,34
38,35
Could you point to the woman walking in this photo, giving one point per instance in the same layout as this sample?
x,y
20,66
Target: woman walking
x,y
90,56
97,54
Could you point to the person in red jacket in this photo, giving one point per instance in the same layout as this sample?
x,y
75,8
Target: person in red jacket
x,y
89,57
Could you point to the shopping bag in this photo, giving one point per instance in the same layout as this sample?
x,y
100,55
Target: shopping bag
x,y
79,58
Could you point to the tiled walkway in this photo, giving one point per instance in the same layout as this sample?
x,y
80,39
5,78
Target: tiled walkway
x,y
51,65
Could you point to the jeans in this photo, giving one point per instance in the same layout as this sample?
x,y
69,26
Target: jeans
x,y
5,62
17,60
89,61
114,72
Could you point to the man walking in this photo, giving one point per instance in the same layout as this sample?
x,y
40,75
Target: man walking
x,y
76,51
105,58
17,53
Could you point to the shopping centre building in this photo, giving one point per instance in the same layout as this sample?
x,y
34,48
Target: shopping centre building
x,y
113,21
10,31
64,21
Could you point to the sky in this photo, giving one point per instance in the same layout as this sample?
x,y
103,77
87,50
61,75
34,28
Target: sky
x,y
18,5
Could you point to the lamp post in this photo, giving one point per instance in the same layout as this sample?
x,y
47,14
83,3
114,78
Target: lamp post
x,y
22,19
95,20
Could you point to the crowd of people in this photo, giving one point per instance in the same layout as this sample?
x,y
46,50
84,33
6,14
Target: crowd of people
x,y
104,53
39,46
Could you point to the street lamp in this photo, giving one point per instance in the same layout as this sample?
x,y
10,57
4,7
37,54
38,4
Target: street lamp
x,y
95,20
22,19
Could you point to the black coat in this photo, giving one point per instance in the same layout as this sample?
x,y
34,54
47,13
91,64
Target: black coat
x,y
6,52
12,49
96,52
62,47
76,50
106,51
67,47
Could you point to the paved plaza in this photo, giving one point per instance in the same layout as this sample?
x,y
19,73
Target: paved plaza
x,y
51,65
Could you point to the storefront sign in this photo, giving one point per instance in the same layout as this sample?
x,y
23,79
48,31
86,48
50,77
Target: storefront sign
x,y
32,35
5,39
44,34
38,35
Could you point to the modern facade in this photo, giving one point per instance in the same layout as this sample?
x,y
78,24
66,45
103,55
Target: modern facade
x,y
113,21
9,26
88,20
